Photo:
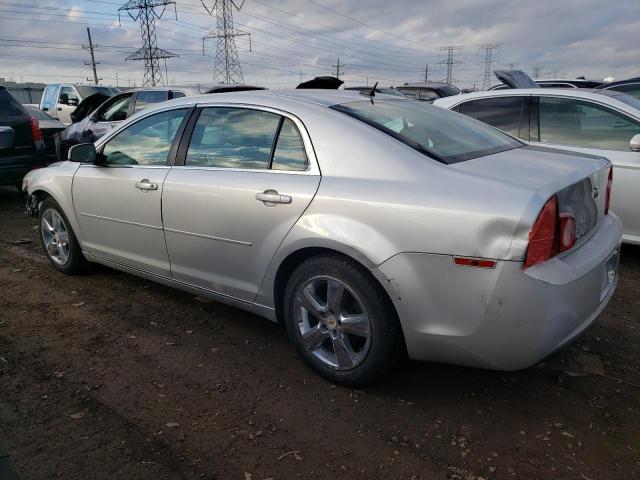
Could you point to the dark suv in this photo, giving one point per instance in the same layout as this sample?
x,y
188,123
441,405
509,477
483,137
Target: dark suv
x,y
21,143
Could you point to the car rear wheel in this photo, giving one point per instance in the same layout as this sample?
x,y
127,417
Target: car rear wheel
x,y
341,321
58,240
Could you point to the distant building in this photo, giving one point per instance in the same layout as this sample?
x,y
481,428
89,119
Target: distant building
x,y
27,92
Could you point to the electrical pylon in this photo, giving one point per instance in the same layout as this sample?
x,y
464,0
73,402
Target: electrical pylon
x,y
146,12
227,68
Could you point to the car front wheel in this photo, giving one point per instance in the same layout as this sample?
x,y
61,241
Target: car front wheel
x,y
341,320
58,240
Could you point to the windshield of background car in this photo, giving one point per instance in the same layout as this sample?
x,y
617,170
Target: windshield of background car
x,y
446,136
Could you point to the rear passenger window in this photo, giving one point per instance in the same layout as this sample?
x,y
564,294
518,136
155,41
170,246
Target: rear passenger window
x,y
233,138
289,153
509,114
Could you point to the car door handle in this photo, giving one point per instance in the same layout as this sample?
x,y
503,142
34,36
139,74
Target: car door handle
x,y
145,185
271,197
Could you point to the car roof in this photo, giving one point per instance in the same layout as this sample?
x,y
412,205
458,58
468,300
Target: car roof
x,y
606,96
292,101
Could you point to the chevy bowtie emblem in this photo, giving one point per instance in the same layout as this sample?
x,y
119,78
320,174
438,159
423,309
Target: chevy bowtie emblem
x,y
596,192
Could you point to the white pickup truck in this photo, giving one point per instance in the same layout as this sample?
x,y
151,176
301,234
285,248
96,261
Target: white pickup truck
x,y
60,99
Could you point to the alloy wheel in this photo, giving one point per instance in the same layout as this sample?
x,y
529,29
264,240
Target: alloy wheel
x,y
55,235
332,323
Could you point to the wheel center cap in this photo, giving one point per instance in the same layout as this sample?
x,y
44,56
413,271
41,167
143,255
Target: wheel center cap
x,y
332,322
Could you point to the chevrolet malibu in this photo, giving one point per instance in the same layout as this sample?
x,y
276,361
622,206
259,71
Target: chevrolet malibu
x,y
372,227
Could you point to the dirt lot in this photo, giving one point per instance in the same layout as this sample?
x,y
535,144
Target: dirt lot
x,y
109,376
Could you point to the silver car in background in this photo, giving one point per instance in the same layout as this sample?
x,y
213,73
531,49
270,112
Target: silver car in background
x,y
368,226
594,122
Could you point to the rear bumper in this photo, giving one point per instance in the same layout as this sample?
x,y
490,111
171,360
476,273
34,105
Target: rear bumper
x,y
502,318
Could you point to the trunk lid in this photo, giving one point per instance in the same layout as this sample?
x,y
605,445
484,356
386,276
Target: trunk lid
x,y
579,180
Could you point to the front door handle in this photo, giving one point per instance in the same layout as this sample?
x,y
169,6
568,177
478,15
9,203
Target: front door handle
x,y
271,198
145,185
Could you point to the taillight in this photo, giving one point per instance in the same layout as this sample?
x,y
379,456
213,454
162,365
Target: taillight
x,y
35,129
543,242
607,198
553,232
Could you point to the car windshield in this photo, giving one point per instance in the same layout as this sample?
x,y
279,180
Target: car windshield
x,y
622,97
87,90
438,133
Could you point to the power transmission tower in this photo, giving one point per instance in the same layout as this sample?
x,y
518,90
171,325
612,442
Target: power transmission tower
x,y
338,66
537,71
450,62
93,62
226,68
512,65
146,12
426,73
488,63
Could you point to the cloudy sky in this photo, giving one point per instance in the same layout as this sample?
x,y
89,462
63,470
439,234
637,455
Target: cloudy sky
x,y
376,40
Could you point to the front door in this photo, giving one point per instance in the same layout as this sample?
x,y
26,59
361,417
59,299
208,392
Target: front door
x,y
588,127
118,200
247,176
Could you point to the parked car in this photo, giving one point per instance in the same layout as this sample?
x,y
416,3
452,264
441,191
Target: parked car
x,y
386,90
631,86
21,142
367,227
559,83
428,91
60,99
597,122
49,127
118,108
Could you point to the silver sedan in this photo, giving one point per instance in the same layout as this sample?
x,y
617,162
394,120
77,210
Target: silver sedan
x,y
371,227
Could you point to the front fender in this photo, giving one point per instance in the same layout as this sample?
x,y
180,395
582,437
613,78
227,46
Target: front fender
x,y
55,181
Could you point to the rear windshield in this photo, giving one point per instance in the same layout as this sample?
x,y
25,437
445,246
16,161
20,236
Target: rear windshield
x,y
9,106
438,133
36,112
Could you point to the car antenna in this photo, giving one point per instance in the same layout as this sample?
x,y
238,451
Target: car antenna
x,y
372,93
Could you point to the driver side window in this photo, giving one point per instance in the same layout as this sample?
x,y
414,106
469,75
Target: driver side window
x,y
146,142
70,94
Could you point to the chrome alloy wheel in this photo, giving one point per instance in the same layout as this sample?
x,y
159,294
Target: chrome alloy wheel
x,y
55,235
332,322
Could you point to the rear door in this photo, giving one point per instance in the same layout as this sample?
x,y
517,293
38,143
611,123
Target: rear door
x,y
589,127
244,177
508,113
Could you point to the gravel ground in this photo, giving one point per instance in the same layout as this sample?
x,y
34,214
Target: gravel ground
x,y
108,376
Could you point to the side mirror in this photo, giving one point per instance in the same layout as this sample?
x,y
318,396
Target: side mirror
x,y
6,137
82,153
634,144
64,99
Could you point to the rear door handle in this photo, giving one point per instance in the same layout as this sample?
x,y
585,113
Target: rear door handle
x,y
145,185
271,197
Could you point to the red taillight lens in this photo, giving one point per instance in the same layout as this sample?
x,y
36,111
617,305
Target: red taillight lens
x,y
35,129
543,242
607,198
567,235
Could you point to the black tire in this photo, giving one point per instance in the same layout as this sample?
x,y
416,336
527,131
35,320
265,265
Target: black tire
x,y
384,332
75,263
